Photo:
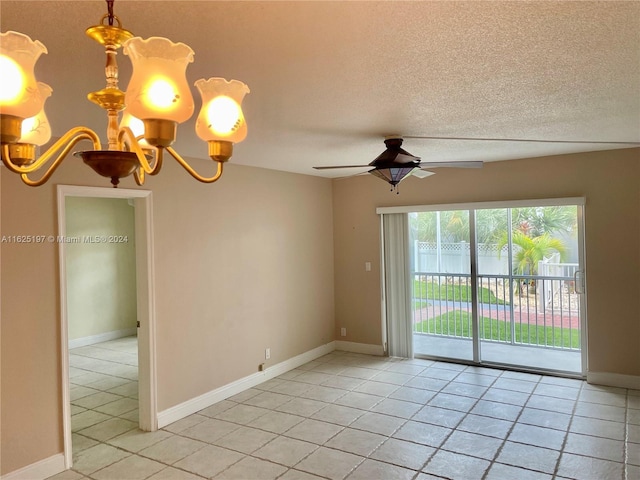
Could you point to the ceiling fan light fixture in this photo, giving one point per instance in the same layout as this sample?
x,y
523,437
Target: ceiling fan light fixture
x,y
395,164
393,175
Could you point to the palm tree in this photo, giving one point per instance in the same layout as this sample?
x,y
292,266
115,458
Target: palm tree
x,y
531,251
492,223
540,220
454,226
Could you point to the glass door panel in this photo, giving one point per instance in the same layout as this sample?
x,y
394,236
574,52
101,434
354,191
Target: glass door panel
x,y
441,280
529,311
494,285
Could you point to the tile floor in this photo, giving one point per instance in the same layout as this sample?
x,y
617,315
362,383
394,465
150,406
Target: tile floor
x,y
358,417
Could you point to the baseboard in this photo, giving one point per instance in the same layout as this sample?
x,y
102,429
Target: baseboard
x,y
196,404
365,348
614,380
40,470
101,337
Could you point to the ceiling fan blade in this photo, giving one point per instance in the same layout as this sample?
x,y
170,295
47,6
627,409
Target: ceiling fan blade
x,y
341,166
469,164
524,140
416,172
351,176
401,158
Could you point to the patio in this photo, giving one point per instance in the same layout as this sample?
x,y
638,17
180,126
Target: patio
x,y
538,358
528,322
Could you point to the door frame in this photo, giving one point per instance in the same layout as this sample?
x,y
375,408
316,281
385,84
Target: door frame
x,y
580,202
145,299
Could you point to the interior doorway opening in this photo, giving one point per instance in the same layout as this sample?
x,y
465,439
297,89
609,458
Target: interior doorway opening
x,y
106,274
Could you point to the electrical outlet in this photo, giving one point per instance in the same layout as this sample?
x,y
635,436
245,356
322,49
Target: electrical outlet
x,y
343,332
267,354
367,266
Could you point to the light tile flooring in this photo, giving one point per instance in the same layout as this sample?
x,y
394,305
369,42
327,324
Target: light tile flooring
x,y
358,417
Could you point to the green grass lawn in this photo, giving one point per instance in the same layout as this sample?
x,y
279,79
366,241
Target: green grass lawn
x,y
459,293
457,323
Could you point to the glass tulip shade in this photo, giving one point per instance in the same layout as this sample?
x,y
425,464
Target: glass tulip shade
x,y
221,116
19,93
158,87
36,130
393,175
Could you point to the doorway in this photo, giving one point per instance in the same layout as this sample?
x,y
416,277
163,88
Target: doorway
x,y
499,284
123,368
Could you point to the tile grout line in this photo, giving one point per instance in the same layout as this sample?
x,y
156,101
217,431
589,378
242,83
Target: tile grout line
x,y
566,438
453,429
514,423
625,446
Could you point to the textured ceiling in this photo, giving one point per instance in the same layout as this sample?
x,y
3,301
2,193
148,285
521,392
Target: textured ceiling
x,y
330,79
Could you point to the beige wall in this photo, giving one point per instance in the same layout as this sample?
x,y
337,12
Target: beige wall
x,y
609,180
241,265
101,276
248,263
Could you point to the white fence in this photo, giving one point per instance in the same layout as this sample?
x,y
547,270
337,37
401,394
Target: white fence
x,y
455,258
549,291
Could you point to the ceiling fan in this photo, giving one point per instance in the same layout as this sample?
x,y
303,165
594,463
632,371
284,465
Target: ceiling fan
x,y
395,164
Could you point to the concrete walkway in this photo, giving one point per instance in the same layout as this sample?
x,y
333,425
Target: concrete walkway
x,y
555,318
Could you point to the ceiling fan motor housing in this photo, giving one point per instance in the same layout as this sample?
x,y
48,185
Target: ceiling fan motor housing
x,y
394,164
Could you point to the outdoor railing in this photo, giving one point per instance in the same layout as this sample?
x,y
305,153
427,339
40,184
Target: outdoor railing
x,y
509,309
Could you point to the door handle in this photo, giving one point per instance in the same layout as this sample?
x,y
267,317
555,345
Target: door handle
x,y
578,281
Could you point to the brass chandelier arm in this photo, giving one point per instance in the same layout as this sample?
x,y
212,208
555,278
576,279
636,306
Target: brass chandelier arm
x,y
192,172
139,174
128,138
85,135
68,140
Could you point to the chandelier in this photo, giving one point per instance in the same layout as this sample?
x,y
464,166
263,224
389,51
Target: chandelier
x,y
158,98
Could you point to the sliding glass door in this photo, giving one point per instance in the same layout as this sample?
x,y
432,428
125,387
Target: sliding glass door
x,y
528,262
499,284
441,282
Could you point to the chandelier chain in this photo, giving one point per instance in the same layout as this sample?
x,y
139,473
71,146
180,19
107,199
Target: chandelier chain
x,y
110,11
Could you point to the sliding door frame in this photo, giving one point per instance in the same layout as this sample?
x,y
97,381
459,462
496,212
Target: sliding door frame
x,y
579,202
